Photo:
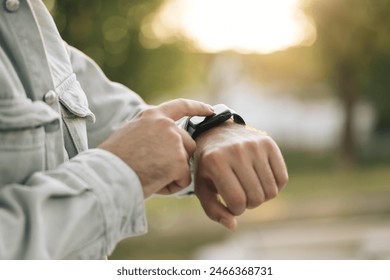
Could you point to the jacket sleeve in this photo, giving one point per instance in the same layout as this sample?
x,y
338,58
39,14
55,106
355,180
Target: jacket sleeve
x,y
71,212
111,102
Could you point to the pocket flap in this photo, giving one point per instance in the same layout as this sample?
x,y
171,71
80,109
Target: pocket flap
x,y
17,114
72,96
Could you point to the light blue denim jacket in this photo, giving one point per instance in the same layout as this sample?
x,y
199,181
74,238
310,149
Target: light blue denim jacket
x,y
59,196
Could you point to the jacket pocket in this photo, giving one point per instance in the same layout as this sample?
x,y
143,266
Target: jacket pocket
x,y
75,113
23,126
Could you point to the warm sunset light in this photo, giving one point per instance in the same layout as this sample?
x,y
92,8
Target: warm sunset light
x,y
248,26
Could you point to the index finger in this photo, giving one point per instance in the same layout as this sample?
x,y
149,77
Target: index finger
x,y
213,207
178,108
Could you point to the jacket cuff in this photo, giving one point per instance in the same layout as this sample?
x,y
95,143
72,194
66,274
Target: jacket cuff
x,y
119,191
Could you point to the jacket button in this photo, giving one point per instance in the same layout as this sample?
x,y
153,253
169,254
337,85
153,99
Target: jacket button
x,y
50,97
12,5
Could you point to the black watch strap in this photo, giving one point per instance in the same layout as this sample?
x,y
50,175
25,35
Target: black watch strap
x,y
198,125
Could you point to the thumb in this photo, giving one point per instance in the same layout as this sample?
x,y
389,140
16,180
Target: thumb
x,y
178,108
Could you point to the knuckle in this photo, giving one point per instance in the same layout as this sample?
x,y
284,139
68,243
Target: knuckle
x,y
271,193
237,149
178,153
238,205
181,177
211,209
191,147
243,151
253,147
211,212
165,122
283,180
212,166
148,112
211,157
268,142
182,158
270,186
184,181
166,127
181,100
184,103
256,200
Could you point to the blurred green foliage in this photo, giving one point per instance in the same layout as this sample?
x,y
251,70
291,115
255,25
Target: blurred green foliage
x,y
113,34
353,39
377,87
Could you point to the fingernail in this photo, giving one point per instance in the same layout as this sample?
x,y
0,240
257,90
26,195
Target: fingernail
x,y
211,108
227,224
224,223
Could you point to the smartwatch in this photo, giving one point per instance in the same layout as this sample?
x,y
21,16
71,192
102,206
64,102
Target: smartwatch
x,y
197,125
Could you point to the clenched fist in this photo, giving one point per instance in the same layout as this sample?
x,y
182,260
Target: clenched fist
x,y
242,166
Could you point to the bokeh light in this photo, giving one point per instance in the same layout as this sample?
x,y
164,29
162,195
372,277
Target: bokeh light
x,y
246,26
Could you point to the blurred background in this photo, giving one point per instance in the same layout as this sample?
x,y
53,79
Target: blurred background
x,y
313,73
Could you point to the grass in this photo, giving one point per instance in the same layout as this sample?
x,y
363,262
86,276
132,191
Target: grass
x,y
340,183
316,174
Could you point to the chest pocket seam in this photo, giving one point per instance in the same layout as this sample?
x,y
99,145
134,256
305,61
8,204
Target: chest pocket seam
x,y
24,130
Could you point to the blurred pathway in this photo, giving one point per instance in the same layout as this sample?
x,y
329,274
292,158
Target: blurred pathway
x,y
357,229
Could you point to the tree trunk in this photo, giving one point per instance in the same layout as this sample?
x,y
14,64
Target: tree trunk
x,y
349,96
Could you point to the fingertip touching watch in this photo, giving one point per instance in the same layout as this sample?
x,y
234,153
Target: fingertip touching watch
x,y
197,125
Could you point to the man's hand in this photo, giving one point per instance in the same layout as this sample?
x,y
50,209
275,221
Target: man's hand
x,y
239,165
155,148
